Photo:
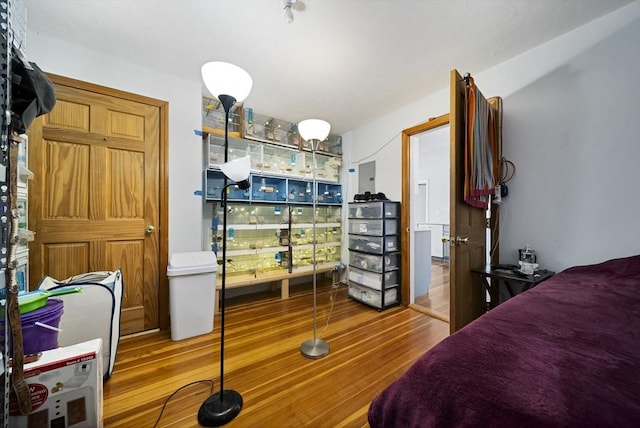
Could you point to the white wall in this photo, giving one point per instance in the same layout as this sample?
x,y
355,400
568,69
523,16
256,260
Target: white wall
x,y
571,127
433,164
578,162
185,148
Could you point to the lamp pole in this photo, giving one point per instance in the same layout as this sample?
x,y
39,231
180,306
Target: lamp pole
x,y
314,131
227,102
223,406
230,84
314,348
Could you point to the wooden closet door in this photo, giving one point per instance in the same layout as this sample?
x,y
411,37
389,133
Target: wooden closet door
x,y
94,200
467,295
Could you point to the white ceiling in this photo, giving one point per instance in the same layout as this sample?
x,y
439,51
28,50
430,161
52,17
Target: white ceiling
x,y
347,61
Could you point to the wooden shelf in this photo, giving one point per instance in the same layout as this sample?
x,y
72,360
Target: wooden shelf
x,y
209,130
246,280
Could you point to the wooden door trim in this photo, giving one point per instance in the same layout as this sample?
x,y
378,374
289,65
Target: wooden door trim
x,y
163,228
405,206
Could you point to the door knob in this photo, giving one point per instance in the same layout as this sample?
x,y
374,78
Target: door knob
x,y
461,240
150,229
458,240
446,239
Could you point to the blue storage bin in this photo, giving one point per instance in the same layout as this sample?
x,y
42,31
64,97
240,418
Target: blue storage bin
x,y
268,189
300,191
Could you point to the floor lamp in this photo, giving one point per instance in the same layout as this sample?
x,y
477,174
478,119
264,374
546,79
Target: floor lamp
x,y
230,84
314,131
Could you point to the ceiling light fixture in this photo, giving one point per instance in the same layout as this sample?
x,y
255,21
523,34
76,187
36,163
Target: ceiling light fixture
x,y
288,10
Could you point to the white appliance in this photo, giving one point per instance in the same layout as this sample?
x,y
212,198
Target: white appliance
x,y
65,385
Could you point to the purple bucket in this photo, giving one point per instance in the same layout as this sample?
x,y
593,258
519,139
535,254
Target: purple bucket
x,y
37,338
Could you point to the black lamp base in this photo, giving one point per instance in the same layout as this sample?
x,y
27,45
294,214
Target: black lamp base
x,y
215,412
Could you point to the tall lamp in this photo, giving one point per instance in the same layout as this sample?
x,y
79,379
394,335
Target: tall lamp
x,y
230,84
314,131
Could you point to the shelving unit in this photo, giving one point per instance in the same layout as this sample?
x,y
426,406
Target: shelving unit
x,y
273,160
269,225
270,189
24,234
213,118
13,29
5,102
271,130
374,253
267,242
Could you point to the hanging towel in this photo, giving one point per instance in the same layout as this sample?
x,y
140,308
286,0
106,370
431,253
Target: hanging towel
x,y
480,148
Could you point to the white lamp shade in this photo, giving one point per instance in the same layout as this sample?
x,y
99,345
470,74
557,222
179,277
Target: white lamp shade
x,y
314,129
222,78
237,169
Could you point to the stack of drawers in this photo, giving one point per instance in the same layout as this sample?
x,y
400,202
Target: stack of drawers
x,y
374,253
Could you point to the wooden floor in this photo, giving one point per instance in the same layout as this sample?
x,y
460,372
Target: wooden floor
x,y
279,386
437,299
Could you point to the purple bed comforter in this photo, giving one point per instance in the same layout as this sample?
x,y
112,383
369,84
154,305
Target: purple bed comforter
x,y
563,354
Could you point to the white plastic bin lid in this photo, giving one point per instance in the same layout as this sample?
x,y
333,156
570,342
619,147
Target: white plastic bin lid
x,y
192,263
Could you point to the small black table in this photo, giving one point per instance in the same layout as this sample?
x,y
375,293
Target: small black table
x,y
510,276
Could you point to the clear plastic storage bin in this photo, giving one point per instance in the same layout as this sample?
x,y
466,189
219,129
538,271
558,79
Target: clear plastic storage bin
x,y
374,263
373,227
373,297
374,244
374,280
379,209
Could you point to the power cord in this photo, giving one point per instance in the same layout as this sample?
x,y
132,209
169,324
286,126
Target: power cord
x,y
500,209
332,296
164,405
377,151
335,286
506,170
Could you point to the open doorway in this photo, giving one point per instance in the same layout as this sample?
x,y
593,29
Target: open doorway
x,y
468,243
431,154
430,192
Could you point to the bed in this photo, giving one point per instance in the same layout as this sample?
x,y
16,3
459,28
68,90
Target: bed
x,y
563,354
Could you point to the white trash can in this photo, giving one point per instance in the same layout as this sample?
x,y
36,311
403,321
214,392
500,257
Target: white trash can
x,y
192,287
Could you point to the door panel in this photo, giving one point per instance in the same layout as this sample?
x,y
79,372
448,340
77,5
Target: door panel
x,y
69,115
68,179
95,159
128,255
62,260
126,170
467,293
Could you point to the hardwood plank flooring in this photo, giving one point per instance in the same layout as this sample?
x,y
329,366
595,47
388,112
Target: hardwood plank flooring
x,y
436,301
279,386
